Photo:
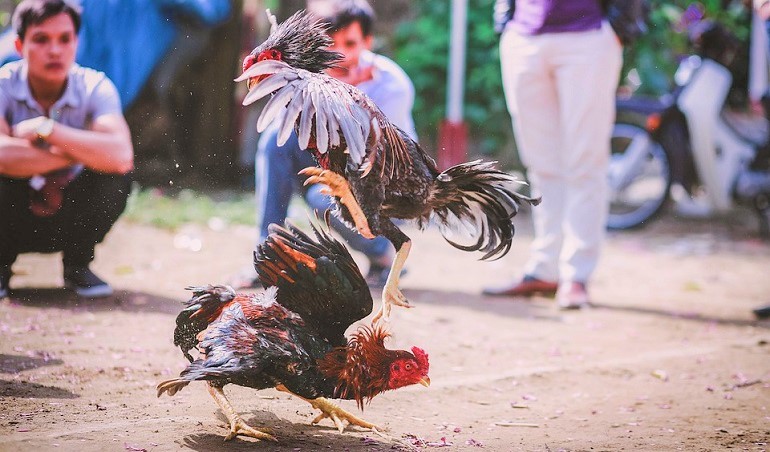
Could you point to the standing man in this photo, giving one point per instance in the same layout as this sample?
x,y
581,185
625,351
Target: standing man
x,y
561,63
350,25
65,149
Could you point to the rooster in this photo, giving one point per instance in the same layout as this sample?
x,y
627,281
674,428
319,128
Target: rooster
x,y
374,171
292,336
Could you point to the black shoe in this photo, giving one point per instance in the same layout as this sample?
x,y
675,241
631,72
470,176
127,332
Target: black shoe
x,y
86,283
5,279
762,312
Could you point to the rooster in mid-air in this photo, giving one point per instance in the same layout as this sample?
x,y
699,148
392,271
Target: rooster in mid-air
x,y
373,169
292,336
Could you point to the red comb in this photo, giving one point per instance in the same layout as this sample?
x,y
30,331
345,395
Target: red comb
x,y
422,359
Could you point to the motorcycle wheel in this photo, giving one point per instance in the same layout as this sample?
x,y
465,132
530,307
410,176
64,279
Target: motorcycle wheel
x,y
639,177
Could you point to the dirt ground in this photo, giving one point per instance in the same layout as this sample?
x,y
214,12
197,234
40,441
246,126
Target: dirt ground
x,y
670,358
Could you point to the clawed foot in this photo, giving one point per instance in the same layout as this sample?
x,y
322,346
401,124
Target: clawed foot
x,y
239,427
337,186
340,417
390,296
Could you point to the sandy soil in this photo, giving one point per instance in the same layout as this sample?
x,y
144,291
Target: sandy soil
x,y
669,359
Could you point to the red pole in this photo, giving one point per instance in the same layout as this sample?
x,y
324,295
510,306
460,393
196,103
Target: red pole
x,y
452,143
453,134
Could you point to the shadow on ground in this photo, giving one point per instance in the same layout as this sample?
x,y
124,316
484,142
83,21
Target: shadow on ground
x,y
122,300
536,308
291,437
689,316
12,364
27,390
540,308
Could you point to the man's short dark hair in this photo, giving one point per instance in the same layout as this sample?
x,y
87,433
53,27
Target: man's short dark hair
x,y
34,12
346,12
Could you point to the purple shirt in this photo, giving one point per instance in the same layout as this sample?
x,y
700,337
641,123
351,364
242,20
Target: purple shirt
x,y
534,17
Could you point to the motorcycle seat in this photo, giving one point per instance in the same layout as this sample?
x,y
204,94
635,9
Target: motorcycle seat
x,y
750,127
642,105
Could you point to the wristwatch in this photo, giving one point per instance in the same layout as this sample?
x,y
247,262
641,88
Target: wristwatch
x,y
45,128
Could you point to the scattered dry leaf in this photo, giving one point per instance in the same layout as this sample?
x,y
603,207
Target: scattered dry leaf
x,y
440,443
516,424
134,448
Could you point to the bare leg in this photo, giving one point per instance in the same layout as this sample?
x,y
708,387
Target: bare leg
x,y
237,425
329,409
391,294
337,186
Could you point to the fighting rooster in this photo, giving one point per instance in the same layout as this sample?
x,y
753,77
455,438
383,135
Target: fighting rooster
x,y
292,336
373,169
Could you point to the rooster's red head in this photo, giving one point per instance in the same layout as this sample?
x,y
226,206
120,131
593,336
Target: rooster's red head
x,y
301,41
366,368
409,369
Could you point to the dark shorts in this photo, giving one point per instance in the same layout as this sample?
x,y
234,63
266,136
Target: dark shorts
x,y
91,204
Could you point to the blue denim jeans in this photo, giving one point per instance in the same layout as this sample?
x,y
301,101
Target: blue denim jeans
x,y
276,169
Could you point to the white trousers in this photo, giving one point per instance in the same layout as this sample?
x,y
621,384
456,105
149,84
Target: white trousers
x,y
560,89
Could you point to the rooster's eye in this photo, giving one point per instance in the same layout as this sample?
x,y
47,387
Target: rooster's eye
x,y
408,367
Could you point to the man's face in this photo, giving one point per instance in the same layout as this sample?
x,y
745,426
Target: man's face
x,y
350,42
49,48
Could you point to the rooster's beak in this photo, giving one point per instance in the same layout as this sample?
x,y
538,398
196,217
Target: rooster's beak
x,y
425,381
252,75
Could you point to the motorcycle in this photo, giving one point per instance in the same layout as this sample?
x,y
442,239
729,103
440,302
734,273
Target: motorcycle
x,y
686,145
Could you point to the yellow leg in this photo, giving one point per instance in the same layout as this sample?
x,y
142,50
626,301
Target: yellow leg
x,y
237,425
329,409
391,294
336,185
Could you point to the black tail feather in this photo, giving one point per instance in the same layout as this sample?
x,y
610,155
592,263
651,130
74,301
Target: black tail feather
x,y
477,194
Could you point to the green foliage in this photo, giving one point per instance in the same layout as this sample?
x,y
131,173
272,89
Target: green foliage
x,y
653,59
422,49
153,207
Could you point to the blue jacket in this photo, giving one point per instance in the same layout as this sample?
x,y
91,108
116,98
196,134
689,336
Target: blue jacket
x,y
127,39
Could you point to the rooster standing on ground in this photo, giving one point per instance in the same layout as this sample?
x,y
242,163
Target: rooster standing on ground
x,y
372,168
292,336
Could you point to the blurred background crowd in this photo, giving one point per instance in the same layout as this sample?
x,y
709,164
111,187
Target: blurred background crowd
x,y
184,111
